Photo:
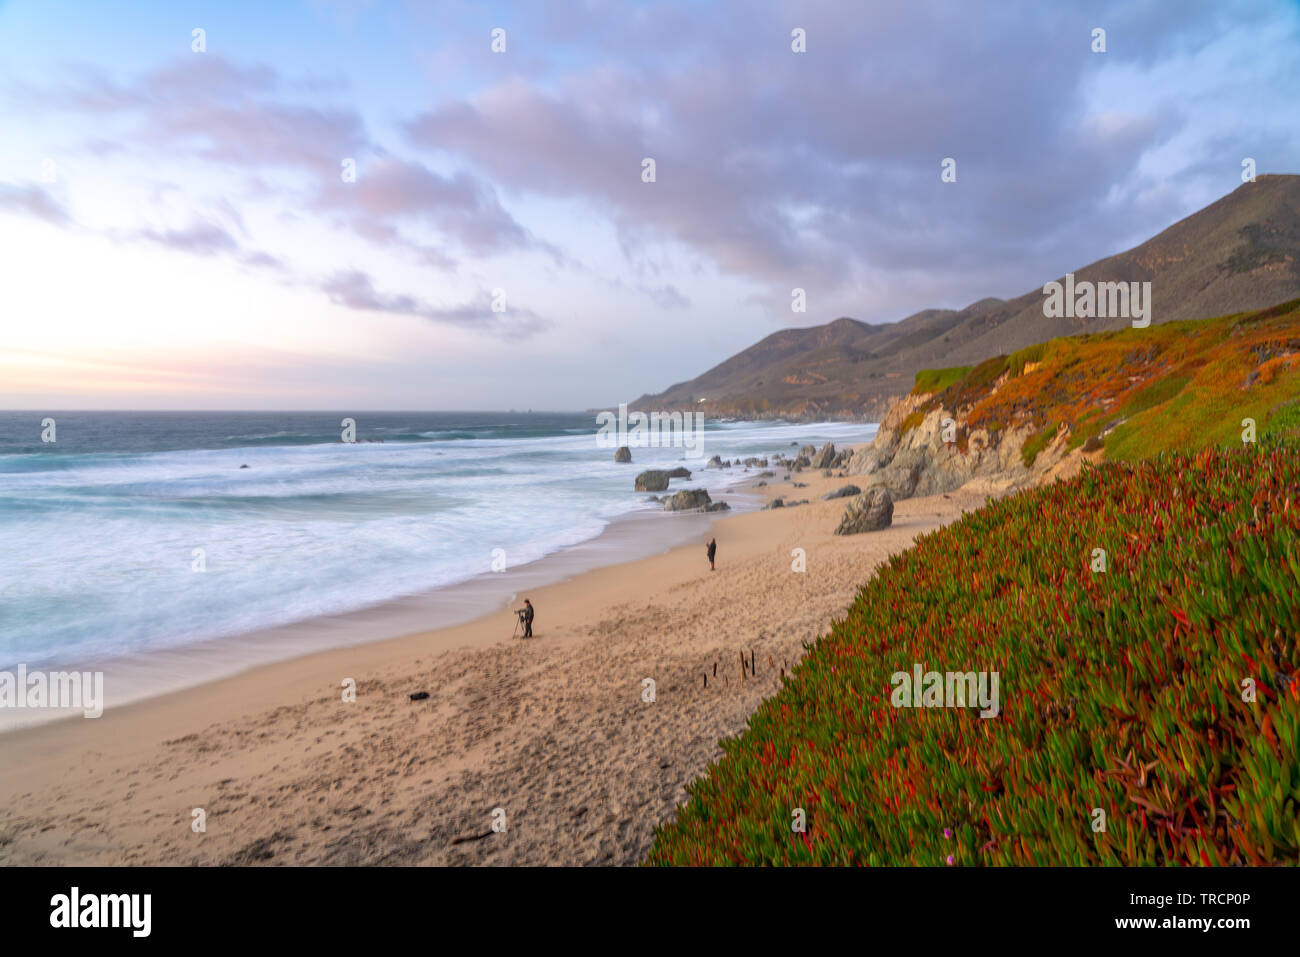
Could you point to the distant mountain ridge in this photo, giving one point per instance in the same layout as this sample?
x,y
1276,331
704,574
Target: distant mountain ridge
x,y
1240,253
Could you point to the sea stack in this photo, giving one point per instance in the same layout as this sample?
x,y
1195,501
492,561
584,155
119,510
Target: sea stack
x,y
654,480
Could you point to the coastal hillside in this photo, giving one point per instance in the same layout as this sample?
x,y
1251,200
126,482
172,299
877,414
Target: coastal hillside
x,y
1238,254
1141,620
1140,617
1041,412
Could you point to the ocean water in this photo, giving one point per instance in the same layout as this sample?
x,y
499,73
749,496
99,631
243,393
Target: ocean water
x,y
99,530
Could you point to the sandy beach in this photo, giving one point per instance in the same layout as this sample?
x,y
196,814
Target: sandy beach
x,y
554,732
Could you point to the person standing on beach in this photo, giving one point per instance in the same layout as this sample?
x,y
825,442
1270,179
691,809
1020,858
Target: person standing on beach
x,y
713,551
528,618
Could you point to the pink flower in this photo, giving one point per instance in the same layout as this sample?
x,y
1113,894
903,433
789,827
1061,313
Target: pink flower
x,y
947,832
949,858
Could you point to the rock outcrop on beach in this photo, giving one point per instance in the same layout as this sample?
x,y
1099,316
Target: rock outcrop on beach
x,y
686,500
652,480
869,512
693,499
623,454
714,463
825,458
679,472
926,445
780,502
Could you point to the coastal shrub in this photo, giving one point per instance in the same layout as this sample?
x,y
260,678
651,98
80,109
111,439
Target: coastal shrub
x,y
1284,419
1163,691
1158,392
936,380
1177,385
1087,427
1035,444
911,421
979,379
1018,360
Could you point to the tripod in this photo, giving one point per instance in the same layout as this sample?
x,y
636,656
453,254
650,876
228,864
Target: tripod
x,y
515,633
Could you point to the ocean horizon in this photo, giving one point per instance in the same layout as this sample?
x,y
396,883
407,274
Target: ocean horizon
x,y
141,532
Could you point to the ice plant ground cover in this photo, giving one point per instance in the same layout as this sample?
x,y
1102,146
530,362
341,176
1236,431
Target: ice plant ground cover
x,y
1126,690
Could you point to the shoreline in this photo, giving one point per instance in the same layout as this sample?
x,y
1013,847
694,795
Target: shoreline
x,y
554,730
140,676
182,662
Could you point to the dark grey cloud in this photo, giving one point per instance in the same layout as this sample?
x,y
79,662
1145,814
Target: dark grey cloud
x,y
389,192
207,108
200,238
666,296
351,289
206,239
822,169
818,170
354,289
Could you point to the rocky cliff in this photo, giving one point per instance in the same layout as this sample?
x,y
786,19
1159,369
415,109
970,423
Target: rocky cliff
x,y
927,448
1042,412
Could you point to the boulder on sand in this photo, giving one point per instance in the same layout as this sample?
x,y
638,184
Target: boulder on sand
x,y
782,503
654,480
868,513
843,491
623,454
825,458
687,500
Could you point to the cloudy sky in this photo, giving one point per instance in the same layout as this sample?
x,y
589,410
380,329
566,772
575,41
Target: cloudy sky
x,y
178,228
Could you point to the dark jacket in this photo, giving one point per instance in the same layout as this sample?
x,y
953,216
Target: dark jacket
x,y
713,550
528,613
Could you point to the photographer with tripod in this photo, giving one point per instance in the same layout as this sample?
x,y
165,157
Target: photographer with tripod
x,y
525,615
